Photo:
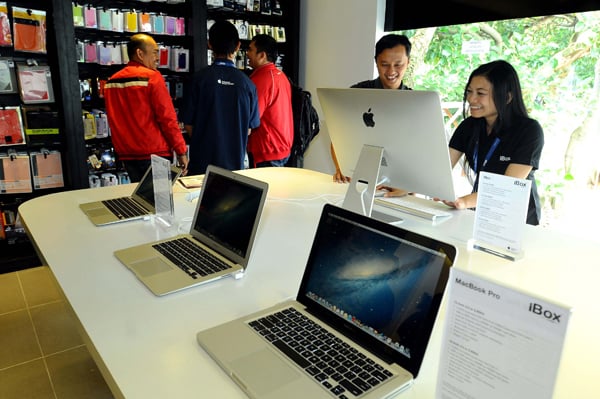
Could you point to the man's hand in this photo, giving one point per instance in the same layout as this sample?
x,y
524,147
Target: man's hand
x,y
182,162
339,177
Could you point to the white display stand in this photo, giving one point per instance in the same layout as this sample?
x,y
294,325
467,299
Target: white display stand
x,y
163,190
500,215
365,179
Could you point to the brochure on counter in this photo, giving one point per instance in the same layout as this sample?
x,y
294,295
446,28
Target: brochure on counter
x,y
498,342
500,215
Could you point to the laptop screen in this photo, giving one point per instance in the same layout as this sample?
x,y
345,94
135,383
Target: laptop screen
x,y
145,188
382,283
228,212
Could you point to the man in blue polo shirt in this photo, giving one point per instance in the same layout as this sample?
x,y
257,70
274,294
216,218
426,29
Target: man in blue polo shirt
x,y
221,106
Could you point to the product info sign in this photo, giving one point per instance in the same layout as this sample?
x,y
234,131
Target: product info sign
x,y
498,342
500,215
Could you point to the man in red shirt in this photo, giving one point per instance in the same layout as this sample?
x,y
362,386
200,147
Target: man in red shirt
x,y
140,111
270,144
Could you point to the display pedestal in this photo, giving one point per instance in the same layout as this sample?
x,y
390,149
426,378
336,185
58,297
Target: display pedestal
x,y
361,191
473,244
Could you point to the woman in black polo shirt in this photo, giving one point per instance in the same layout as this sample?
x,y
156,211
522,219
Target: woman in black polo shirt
x,y
498,136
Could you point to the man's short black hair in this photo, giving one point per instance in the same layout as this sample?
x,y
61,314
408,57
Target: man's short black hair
x,y
223,38
267,44
390,41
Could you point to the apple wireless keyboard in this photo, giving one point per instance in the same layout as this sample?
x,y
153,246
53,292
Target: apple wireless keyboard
x,y
416,206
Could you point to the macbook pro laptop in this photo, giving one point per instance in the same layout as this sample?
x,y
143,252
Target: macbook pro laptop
x,y
122,209
361,321
219,242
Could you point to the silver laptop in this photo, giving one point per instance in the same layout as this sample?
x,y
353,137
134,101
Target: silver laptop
x,y
123,209
361,321
219,243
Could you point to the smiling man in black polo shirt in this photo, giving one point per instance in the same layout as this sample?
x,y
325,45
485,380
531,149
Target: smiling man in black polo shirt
x,y
392,56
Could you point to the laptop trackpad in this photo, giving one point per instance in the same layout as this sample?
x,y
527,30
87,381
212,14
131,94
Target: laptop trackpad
x,y
263,371
96,212
150,267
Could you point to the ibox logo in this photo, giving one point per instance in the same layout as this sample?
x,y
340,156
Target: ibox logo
x,y
549,315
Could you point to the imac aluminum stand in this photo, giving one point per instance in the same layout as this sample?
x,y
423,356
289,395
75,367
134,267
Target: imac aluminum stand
x,y
361,191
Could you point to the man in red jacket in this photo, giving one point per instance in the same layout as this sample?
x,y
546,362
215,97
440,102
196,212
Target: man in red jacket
x,y
140,111
270,144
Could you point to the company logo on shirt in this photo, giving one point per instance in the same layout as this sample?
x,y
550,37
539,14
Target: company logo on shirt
x,y
225,82
503,158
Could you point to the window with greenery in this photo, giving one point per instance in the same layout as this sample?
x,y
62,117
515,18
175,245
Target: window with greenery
x,y
558,61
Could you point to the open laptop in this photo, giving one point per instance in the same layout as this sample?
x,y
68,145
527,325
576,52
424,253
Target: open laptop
x,y
373,290
219,242
123,209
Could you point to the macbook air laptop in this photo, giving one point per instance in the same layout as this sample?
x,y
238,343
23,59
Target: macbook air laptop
x,y
122,209
219,242
361,321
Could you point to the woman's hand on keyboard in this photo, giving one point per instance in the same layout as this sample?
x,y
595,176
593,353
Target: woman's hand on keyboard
x,y
458,203
392,191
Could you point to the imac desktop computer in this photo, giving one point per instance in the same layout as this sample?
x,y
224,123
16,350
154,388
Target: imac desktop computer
x,y
396,137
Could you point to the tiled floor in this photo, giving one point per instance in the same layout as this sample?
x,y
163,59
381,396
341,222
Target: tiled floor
x,y
42,355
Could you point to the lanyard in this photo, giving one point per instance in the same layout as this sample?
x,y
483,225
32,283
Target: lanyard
x,y
485,160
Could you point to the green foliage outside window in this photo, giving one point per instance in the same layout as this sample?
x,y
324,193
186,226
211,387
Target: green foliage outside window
x,y
558,61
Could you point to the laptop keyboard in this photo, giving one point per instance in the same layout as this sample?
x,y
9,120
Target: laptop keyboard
x,y
191,258
339,367
125,208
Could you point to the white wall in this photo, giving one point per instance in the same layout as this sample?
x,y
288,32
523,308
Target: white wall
x,y
337,45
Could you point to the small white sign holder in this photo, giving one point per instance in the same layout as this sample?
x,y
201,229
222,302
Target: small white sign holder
x,y
498,342
500,215
163,190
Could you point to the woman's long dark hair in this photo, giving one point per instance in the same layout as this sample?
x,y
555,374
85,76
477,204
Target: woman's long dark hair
x,y
506,92
507,97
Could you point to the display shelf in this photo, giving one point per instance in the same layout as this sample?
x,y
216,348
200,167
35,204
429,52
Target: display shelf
x,y
92,74
288,19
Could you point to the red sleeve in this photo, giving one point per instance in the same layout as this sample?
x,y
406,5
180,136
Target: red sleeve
x,y
264,90
165,114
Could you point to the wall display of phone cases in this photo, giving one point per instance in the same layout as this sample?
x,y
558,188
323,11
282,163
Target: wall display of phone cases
x,y
127,21
8,80
29,30
35,83
106,52
11,126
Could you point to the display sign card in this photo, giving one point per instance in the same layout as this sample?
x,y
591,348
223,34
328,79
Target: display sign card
x,y
498,342
163,189
500,215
